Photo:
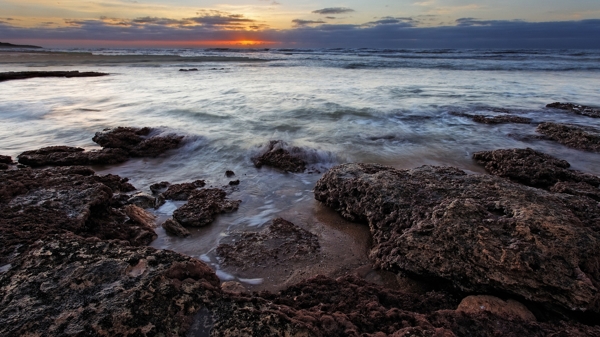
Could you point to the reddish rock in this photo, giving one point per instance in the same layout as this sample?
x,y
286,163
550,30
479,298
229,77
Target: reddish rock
x,y
116,183
577,137
279,157
137,141
203,206
182,191
576,108
481,233
280,242
531,168
173,227
492,304
66,156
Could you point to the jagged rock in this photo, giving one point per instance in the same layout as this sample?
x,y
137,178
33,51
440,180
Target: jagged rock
x,y
38,203
277,156
173,227
67,155
203,206
576,108
159,187
142,200
69,286
531,168
577,137
116,183
182,191
481,233
280,242
500,119
21,75
136,141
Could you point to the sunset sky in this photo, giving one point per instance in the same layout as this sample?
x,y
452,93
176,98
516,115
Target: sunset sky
x,y
292,23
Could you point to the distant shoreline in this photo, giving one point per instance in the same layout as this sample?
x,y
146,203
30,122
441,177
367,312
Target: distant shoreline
x,y
10,45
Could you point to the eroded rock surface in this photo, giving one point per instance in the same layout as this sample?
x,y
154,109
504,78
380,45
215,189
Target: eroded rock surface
x,y
137,141
532,168
182,191
280,242
481,233
67,155
276,155
203,206
500,119
577,137
576,108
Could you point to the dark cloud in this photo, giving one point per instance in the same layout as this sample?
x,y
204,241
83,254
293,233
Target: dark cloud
x,y
382,33
333,10
330,17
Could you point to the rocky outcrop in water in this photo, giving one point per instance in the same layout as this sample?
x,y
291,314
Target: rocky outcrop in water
x,y
67,156
577,137
137,141
277,156
203,206
532,168
480,233
172,227
5,161
21,75
182,191
576,108
500,119
281,242
38,203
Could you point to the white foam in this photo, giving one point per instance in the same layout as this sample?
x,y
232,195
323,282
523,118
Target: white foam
x,y
223,276
252,281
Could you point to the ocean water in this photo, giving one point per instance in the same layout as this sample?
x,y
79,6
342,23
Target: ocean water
x,y
340,105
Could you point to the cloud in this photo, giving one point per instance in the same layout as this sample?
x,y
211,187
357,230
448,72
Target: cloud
x,y
302,23
333,10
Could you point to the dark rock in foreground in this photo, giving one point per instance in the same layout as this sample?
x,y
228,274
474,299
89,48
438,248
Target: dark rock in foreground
x,y
137,141
6,160
531,168
481,233
280,242
182,191
203,206
576,108
277,156
69,286
67,156
21,75
577,137
173,227
501,119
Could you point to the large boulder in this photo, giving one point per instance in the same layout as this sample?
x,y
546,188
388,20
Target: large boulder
x,y
574,136
481,233
278,155
138,142
203,206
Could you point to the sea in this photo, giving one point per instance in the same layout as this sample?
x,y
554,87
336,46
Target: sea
x,y
389,106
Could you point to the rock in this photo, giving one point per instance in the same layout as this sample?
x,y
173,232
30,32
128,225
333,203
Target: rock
x,y
136,141
531,168
142,200
280,242
21,75
577,137
67,156
481,233
576,108
191,69
159,187
173,227
140,216
477,304
182,191
8,160
3,166
203,206
67,286
234,182
116,183
38,203
277,156
500,119
233,287
228,173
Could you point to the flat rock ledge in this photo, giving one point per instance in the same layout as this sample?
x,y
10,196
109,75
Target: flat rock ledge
x,y
21,75
480,233
573,136
500,119
280,156
576,108
203,206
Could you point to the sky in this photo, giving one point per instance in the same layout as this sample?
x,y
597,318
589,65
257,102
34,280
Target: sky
x,y
302,24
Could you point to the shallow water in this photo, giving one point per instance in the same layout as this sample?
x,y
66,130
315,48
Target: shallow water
x,y
389,107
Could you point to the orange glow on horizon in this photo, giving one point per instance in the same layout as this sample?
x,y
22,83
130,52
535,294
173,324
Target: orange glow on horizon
x,y
241,43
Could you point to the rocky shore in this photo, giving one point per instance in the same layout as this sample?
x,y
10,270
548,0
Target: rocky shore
x,y
511,253
22,75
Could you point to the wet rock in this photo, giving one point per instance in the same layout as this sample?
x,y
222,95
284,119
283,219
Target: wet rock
x,y
116,183
531,168
281,242
576,108
67,155
229,173
140,216
38,203
481,233
159,187
137,141
234,182
142,200
233,287
21,75
182,191
500,119
203,206
8,160
173,227
477,304
66,286
279,157
191,69
577,137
